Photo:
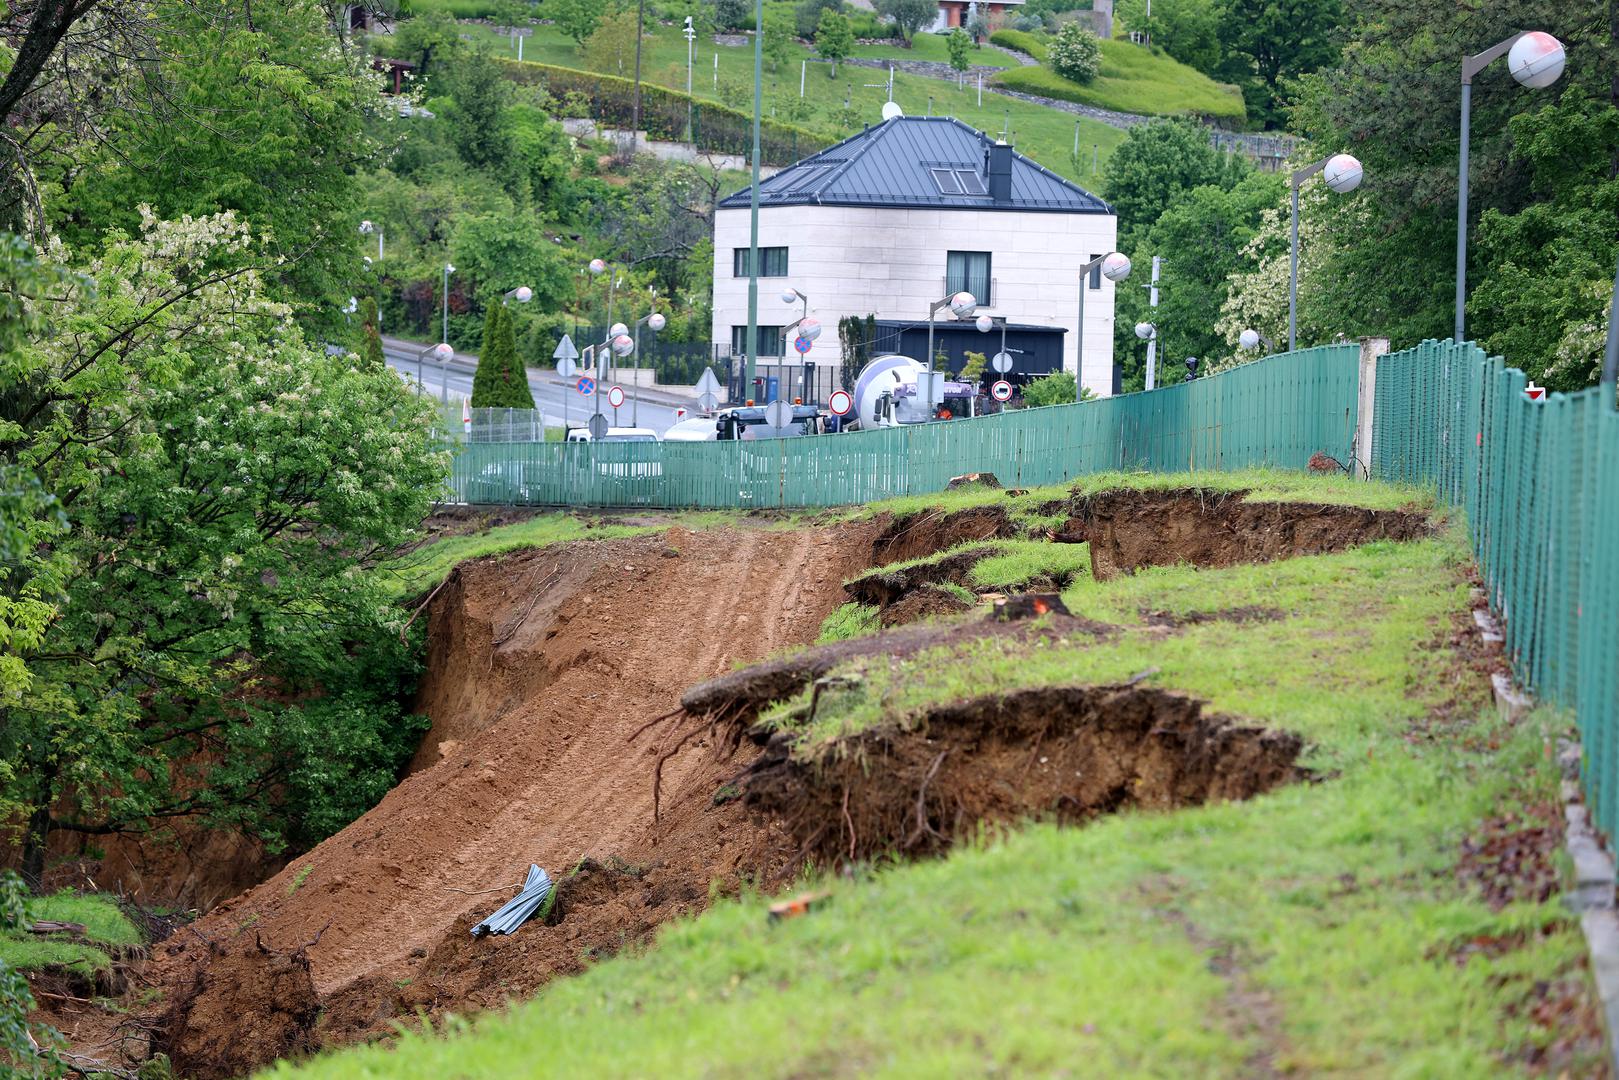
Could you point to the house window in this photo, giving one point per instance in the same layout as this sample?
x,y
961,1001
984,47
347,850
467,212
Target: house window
x,y
772,262
1096,273
967,271
953,181
769,338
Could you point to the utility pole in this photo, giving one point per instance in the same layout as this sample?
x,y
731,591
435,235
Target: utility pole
x,y
1152,342
635,122
752,351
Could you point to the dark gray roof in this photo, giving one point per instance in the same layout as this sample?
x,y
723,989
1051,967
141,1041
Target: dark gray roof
x,y
893,164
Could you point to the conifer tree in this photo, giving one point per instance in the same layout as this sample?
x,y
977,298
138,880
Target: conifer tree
x,y
501,381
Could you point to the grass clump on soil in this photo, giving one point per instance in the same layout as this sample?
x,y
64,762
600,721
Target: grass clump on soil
x,y
426,566
1134,79
106,930
1347,925
850,620
1020,563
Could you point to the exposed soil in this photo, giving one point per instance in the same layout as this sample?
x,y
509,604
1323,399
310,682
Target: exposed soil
x,y
883,586
1066,753
930,601
1128,530
1247,613
921,535
542,665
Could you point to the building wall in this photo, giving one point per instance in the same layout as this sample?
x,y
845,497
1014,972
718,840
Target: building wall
x,y
891,263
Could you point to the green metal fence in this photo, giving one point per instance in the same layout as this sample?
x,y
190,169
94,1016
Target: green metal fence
x,y
1276,412
1540,482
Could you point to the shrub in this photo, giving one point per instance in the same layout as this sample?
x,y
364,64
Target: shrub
x,y
1075,54
1019,41
1054,389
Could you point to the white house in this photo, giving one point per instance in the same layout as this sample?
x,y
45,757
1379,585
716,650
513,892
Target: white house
x,y
904,214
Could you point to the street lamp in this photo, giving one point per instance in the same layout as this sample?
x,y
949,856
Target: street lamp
x,y
522,294
1250,339
442,353
809,329
691,35
448,270
1342,173
657,322
369,227
1115,267
961,305
1536,61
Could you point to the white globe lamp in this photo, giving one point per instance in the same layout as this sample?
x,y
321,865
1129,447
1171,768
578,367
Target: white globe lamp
x,y
985,324
523,294
788,296
963,304
1116,267
623,345
1536,60
1343,173
598,266
443,351
809,329
618,330
1144,331
1248,339
657,321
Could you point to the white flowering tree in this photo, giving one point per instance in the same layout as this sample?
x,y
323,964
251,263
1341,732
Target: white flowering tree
x,y
1075,53
213,650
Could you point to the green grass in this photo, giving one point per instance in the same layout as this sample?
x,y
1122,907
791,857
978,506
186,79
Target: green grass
x,y
850,620
107,928
935,49
1023,41
1333,907
410,574
1022,561
1134,79
1042,133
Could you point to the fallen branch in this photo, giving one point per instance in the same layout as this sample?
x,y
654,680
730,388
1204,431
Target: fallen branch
x,y
423,605
849,821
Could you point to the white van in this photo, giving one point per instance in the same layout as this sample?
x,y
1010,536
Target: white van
x,y
616,434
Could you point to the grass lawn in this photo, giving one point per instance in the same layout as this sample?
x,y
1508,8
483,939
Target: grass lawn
x,y
421,569
1327,927
1134,79
1044,134
106,928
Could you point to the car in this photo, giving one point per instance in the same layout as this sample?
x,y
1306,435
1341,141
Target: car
x,y
622,457
616,434
693,429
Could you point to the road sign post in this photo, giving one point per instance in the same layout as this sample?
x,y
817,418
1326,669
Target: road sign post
x,y
840,403
565,355
615,398
1001,391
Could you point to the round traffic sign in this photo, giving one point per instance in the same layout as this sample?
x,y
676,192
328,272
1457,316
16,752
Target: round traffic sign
x,y
598,426
566,367
1001,362
1001,391
586,385
840,403
802,344
615,396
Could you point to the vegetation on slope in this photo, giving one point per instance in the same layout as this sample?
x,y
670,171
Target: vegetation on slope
x,y
1133,79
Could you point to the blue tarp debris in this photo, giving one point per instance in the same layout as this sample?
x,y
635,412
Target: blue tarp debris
x,y
517,910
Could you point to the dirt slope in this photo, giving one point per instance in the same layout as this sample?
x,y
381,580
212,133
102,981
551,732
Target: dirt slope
x,y
542,665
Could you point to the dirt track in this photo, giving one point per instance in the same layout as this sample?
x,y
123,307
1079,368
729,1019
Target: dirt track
x,y
542,665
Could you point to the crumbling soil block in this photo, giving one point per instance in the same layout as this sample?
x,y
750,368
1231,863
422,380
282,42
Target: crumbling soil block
x,y
1128,530
1064,753
929,601
882,587
921,535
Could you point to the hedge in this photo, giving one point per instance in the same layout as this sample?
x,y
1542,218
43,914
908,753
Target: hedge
x,y
610,100
1019,41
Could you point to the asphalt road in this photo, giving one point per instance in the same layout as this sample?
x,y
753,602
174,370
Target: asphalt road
x,y
550,393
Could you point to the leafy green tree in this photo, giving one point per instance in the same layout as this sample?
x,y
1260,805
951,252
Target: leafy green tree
x,y
1267,42
610,49
501,381
498,253
834,38
959,46
1155,164
1188,30
478,121
575,18
908,16
730,14
808,13
1054,389
431,41
778,43
371,337
212,654
1075,53
973,369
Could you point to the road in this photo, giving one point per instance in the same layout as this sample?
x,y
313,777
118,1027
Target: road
x,y
655,411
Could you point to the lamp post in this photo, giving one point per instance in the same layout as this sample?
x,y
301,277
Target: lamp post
x,y
1536,61
448,270
657,322
1342,173
369,227
807,328
1115,267
752,352
985,324
961,304
691,35
1148,332
442,353
522,294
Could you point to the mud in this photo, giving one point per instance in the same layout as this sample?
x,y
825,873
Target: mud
x,y
1129,530
927,602
931,532
883,587
1066,754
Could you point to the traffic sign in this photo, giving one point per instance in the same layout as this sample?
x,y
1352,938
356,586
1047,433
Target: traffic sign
x,y
1001,362
565,349
1533,392
586,385
598,426
840,403
566,367
707,402
802,344
615,396
779,413
708,384
1001,391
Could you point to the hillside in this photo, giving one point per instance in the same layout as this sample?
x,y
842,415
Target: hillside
x,y
1133,79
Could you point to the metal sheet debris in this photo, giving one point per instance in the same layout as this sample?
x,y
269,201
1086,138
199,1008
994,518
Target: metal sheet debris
x,y
518,909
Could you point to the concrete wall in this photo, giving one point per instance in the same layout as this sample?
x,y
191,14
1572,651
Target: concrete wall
x,y
891,263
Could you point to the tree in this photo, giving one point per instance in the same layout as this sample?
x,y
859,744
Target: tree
x,y
1188,30
973,369
1267,42
1157,162
478,121
1075,53
778,42
834,38
501,381
959,45
610,48
729,14
575,18
220,478
908,16
371,343
1054,389
808,14
430,41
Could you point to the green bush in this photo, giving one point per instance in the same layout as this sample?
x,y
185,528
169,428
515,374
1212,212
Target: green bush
x,y
610,100
1134,80
1076,53
501,381
1020,41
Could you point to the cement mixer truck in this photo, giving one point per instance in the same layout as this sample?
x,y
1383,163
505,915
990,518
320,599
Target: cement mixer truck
x,y
895,390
